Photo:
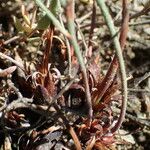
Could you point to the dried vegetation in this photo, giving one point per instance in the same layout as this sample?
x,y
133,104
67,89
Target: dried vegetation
x,y
63,82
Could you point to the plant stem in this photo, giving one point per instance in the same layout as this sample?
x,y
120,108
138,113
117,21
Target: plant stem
x,y
52,18
3,56
68,48
110,24
71,28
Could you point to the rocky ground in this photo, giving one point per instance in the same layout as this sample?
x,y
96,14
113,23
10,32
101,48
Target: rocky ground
x,y
42,87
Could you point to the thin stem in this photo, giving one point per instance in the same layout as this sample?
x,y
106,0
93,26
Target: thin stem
x,y
80,20
3,56
64,89
118,22
68,47
91,30
145,10
110,24
71,28
11,40
52,18
69,128
82,37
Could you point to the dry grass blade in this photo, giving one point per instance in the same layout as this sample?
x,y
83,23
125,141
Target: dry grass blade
x,y
91,144
124,25
69,128
47,51
7,71
92,29
145,10
75,138
3,56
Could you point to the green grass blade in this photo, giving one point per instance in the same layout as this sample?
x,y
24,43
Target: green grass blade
x,y
110,24
71,28
52,17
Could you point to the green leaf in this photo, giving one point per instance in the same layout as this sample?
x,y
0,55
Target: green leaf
x,y
52,18
43,23
55,8
18,24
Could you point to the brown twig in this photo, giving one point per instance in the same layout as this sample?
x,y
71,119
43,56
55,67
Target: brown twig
x,y
11,40
141,79
80,20
139,90
3,56
143,122
145,10
69,128
75,138
7,71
